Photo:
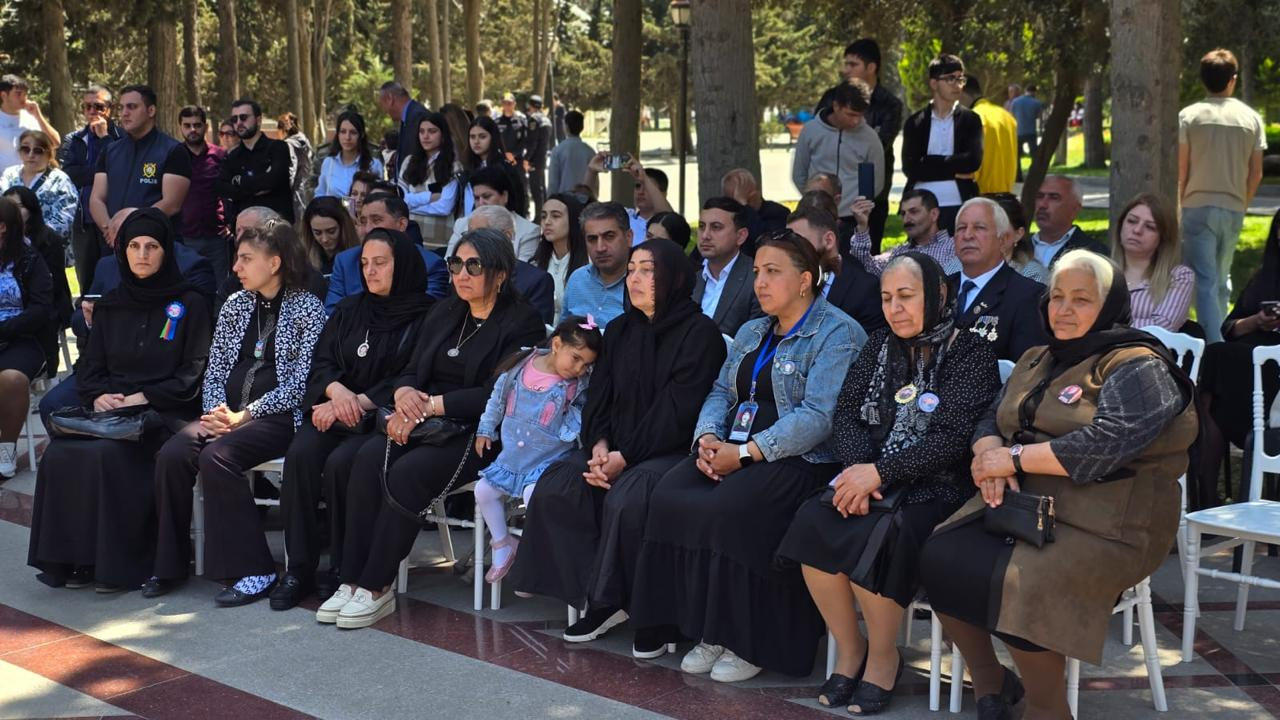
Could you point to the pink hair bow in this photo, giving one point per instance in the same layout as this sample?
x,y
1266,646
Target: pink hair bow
x,y
590,324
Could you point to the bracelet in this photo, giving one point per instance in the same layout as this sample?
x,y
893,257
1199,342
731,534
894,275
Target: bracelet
x,y
432,399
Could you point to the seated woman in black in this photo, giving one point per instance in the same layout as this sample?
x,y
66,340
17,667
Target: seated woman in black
x,y
586,517
365,345
95,512
253,389
463,340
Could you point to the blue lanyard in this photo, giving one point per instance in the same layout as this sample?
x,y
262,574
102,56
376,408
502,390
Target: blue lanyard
x,y
767,352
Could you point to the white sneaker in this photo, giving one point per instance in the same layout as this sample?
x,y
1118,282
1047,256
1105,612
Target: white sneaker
x,y
8,460
701,658
328,612
362,610
731,668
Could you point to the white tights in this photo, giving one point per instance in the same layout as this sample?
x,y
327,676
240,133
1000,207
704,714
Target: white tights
x,y
491,501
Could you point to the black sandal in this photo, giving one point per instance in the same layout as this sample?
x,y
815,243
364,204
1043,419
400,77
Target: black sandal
x,y
1000,706
838,688
872,699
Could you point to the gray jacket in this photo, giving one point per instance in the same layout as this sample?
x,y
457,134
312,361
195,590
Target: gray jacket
x,y
823,148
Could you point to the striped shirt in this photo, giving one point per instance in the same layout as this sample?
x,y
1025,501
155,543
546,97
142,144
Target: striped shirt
x,y
942,249
1171,312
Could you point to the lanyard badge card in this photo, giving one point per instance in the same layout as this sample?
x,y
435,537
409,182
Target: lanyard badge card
x,y
748,410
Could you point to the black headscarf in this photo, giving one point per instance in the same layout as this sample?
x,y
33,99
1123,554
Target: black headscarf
x,y
1109,331
1265,283
167,284
408,298
912,360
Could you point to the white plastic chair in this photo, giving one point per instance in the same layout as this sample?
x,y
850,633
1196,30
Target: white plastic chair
x,y
443,523
1006,369
197,509
495,590
1247,523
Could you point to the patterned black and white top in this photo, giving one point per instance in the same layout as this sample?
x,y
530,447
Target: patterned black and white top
x,y
935,464
301,319
1135,403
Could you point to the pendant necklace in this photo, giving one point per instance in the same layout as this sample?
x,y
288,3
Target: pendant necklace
x,y
260,347
363,349
453,352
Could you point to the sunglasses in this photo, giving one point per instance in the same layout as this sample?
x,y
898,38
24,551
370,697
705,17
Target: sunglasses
x,y
93,106
29,150
473,266
243,117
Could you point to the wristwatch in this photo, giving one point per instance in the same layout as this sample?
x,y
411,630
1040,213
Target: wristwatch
x,y
1015,454
744,455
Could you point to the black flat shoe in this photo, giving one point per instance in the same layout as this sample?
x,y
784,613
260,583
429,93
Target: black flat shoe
x,y
231,597
872,699
290,591
155,587
107,588
327,583
1000,706
838,688
79,578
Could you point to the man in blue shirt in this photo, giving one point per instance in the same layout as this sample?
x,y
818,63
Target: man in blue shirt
x,y
1026,109
597,287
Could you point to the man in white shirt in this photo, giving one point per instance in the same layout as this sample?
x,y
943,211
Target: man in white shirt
x,y
491,186
17,115
942,142
1058,203
725,287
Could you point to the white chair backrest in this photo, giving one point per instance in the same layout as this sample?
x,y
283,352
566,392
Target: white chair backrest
x,y
550,329
1181,345
1262,462
728,342
1006,369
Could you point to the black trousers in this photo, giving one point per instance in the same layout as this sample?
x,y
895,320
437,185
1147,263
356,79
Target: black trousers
x,y
318,463
537,190
88,247
234,543
378,537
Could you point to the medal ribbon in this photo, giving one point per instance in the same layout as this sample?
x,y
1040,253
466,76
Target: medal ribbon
x,y
173,313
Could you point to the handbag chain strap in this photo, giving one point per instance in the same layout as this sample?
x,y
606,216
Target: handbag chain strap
x,y
422,516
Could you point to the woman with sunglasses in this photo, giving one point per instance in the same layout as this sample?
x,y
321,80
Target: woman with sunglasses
x,y
462,341
39,172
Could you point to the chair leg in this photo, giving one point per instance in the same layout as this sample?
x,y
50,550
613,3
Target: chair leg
x,y
1242,594
197,524
1126,632
935,664
402,577
905,635
573,615
446,539
1190,602
1073,686
831,653
1182,529
957,679
477,583
1150,650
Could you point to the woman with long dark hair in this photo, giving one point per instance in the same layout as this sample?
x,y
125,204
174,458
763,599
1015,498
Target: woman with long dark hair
x,y
349,153
563,247
431,178
486,150
326,230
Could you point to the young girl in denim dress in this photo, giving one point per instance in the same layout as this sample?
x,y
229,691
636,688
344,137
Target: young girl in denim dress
x,y
538,404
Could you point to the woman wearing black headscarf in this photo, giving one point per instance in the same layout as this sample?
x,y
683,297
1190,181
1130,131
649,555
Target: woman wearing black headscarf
x,y
94,515
365,345
1099,420
586,517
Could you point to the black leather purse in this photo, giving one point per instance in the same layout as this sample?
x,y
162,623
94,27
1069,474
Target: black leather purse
x,y
1022,516
438,430
889,502
128,424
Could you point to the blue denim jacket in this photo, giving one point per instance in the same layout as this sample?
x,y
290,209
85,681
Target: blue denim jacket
x,y
808,370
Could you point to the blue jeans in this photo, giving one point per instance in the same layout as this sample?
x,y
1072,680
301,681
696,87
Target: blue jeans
x,y
1209,238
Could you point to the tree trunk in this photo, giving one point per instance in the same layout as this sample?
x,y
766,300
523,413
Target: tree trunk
x,y
446,64
1095,148
1246,74
308,110
402,42
624,101
321,20
435,59
162,71
724,94
549,45
1146,47
228,57
190,53
538,50
61,108
293,53
1066,87
475,67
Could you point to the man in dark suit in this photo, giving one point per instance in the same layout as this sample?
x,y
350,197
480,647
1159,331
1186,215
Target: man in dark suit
x,y
942,142
848,285
1058,204
993,300
724,287
394,100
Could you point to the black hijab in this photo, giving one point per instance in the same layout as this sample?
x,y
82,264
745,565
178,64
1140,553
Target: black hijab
x,y
1265,283
167,284
408,298
1109,331
912,360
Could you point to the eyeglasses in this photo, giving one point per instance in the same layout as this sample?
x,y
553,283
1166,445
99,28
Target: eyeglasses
x,y
226,133
952,79
473,266
31,150
93,106
243,117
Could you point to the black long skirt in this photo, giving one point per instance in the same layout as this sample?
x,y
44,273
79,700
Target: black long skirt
x,y
877,551
581,542
95,507
708,562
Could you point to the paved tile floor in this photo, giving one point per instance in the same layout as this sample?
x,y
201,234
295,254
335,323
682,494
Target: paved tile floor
x,y
70,653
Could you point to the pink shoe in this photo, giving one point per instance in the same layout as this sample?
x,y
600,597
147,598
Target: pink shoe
x,y
497,572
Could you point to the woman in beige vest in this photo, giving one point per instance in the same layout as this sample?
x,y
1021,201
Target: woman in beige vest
x,y
1100,420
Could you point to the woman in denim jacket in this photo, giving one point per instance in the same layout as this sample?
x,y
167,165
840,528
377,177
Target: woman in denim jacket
x,y
715,519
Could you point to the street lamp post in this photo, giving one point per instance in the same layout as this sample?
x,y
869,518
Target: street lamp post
x,y
680,12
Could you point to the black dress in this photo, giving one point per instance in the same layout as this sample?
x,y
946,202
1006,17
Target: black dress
x,y
707,563
94,500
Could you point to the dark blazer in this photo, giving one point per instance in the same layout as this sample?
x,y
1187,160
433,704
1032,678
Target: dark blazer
x,y
919,166
1015,301
857,293
738,302
537,286
414,113
1079,240
511,326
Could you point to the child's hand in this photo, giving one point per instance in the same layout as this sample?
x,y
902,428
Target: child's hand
x,y
482,444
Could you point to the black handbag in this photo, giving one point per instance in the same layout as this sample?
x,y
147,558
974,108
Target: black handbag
x,y
128,423
888,503
437,430
1022,516
363,425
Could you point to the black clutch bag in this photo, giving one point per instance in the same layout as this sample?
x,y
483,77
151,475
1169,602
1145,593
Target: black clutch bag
x,y
1022,516
436,430
890,501
128,424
